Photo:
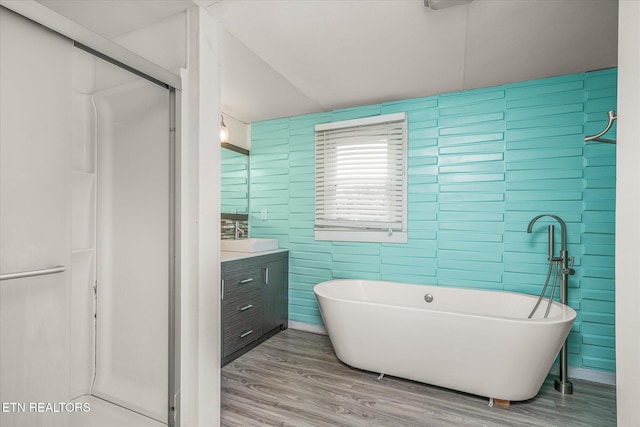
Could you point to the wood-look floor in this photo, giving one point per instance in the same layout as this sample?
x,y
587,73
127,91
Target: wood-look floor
x,y
295,379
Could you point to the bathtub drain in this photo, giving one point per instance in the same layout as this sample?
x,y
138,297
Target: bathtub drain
x,y
428,298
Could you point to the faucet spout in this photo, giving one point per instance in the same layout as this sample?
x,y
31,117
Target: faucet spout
x,y
563,229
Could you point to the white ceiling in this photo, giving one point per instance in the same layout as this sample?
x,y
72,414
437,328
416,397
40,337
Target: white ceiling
x,y
289,57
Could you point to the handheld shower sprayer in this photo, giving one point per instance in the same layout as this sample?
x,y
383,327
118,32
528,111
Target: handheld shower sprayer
x,y
561,263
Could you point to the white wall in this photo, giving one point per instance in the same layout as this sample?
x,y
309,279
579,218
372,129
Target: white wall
x,y
200,231
627,216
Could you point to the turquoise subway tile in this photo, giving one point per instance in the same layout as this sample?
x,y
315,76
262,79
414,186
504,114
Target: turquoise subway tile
x,y
600,205
470,139
599,295
576,163
574,184
422,197
411,266
605,159
599,340
427,133
426,269
454,121
494,267
599,172
402,277
486,167
531,174
542,155
473,207
494,228
599,216
473,128
525,113
599,106
558,120
570,97
467,158
471,97
600,228
489,187
568,130
355,274
547,143
355,113
476,236
468,255
473,246
261,130
605,318
409,254
521,195
600,352
537,90
471,177
416,150
410,105
457,282
594,306
415,161
471,197
486,147
605,92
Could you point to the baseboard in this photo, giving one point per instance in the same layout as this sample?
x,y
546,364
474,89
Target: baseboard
x,y
574,372
308,327
587,374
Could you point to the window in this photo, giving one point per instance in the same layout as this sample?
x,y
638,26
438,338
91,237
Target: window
x,y
361,180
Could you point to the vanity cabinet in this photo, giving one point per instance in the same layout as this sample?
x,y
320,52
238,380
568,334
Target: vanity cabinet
x,y
254,301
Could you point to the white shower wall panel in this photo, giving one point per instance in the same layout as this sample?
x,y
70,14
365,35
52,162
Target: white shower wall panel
x,y
133,248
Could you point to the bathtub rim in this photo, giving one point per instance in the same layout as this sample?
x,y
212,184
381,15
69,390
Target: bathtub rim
x,y
567,313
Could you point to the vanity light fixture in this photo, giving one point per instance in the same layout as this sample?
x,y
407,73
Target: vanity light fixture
x,y
224,132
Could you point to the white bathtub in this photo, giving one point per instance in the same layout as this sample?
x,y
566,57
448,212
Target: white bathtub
x,y
475,341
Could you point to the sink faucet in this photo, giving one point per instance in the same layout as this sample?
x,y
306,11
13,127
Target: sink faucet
x,y
237,230
563,385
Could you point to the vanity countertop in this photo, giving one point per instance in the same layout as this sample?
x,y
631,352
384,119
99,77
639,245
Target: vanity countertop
x,y
232,256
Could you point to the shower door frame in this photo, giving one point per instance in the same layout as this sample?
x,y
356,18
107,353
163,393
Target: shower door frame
x,y
173,326
129,61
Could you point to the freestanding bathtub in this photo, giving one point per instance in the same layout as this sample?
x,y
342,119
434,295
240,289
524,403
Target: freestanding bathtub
x,y
475,341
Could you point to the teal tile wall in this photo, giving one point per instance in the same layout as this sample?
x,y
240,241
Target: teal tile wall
x,y
482,164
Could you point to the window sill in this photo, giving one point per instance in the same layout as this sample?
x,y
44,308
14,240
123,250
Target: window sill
x,y
361,236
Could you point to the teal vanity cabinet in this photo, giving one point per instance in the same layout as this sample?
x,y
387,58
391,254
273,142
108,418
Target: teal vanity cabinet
x,y
254,300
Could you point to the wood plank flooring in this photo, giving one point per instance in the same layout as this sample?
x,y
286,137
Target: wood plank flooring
x,y
295,379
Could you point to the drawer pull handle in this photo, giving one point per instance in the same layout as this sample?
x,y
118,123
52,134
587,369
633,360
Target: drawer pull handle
x,y
246,334
246,307
250,279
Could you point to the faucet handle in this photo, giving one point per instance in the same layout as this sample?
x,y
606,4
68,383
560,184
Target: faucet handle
x,y
570,271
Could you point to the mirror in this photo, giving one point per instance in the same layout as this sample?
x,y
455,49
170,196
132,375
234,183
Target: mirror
x,y
234,179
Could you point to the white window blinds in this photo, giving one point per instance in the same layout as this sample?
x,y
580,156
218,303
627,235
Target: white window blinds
x,y
361,179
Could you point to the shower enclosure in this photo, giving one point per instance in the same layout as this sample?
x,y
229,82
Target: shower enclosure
x,y
86,187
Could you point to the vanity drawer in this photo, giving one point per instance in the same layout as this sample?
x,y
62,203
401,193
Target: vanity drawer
x,y
241,281
241,331
242,304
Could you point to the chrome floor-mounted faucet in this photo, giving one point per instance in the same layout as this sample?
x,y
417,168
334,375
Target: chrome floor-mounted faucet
x,y
566,268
